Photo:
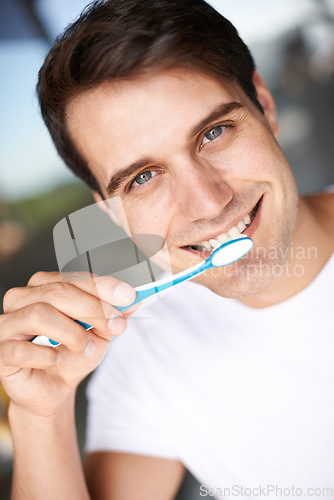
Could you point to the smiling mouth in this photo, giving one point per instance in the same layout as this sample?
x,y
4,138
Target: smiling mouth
x,y
233,233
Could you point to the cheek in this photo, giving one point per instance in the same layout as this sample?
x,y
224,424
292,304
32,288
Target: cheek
x,y
267,163
251,156
148,216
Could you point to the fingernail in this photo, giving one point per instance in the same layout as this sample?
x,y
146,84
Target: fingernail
x,y
124,293
57,358
116,324
90,348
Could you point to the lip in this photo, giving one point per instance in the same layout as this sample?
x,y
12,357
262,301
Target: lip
x,y
249,231
230,225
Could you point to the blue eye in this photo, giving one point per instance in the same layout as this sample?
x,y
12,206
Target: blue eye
x,y
212,134
143,177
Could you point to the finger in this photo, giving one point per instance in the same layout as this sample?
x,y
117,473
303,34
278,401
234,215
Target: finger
x,y
118,324
131,310
43,319
65,297
107,288
42,277
21,354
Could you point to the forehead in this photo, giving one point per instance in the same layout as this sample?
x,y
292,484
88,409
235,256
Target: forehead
x,y
118,121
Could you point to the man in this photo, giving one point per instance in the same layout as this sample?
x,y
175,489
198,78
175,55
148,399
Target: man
x,y
158,102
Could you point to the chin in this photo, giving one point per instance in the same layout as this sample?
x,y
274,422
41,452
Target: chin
x,y
242,279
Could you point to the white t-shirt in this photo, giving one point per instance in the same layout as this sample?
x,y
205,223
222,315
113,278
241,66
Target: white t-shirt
x,y
243,397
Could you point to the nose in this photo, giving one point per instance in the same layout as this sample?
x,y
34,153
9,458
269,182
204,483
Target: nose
x,y
201,191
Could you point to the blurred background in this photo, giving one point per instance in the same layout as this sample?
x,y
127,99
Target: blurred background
x,y
293,45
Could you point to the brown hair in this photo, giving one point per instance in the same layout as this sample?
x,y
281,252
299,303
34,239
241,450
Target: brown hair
x,y
119,38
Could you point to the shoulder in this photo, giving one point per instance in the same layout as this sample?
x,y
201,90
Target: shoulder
x,y
323,205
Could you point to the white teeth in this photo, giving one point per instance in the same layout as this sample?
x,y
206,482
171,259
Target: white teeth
x,y
234,232
223,238
207,246
213,242
241,226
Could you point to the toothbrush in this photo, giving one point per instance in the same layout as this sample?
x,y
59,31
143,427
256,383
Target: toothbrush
x,y
224,255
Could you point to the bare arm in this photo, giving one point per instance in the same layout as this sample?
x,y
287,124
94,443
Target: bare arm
x,y
42,388
42,381
122,476
46,460
47,464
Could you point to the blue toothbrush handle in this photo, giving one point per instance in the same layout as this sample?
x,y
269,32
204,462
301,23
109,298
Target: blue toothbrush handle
x,y
142,293
45,341
140,296
146,291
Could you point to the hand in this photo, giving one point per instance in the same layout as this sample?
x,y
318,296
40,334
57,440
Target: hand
x,y
39,378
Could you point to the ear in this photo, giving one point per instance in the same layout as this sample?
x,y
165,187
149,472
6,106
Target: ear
x,y
267,102
105,207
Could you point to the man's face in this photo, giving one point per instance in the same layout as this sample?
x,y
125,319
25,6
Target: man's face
x,y
193,161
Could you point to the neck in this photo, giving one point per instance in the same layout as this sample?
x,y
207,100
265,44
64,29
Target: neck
x,y
310,249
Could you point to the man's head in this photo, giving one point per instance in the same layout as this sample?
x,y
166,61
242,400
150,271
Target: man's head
x,y
158,103
118,39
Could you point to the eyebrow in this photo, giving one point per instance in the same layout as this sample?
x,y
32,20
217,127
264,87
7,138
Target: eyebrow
x,y
223,110
122,174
